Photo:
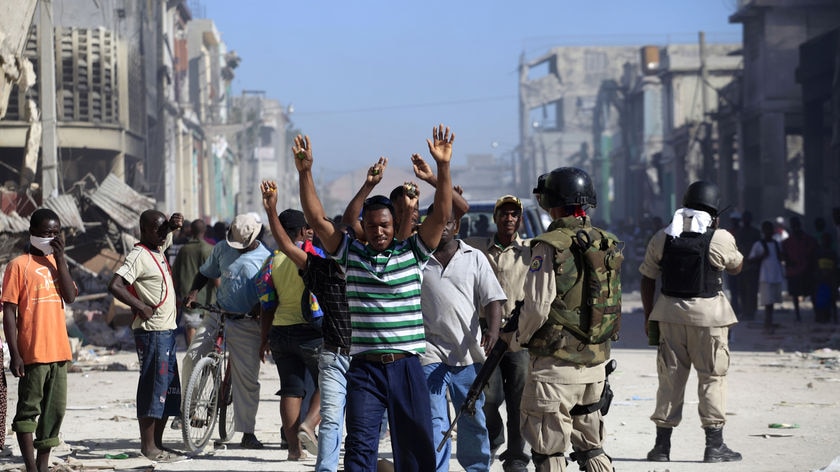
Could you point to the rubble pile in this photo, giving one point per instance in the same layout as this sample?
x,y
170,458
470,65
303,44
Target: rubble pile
x,y
100,221
96,318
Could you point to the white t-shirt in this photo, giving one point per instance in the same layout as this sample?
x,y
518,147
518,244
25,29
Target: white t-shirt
x,y
771,266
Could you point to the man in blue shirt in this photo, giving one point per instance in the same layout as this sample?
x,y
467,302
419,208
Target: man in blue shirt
x,y
235,262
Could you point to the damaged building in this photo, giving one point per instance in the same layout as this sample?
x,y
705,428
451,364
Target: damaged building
x,y
761,118
140,90
789,110
629,115
113,107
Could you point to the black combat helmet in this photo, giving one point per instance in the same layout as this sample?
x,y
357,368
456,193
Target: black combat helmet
x,y
565,186
704,196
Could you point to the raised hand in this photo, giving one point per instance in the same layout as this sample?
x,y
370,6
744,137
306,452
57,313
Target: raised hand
x,y
176,221
440,146
412,192
269,195
302,150
422,169
376,171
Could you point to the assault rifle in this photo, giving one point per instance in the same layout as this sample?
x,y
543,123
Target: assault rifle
x,y
483,376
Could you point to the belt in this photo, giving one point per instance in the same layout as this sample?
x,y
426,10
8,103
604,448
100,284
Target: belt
x,y
384,358
344,351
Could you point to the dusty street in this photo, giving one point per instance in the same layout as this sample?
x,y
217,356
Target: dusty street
x,y
789,378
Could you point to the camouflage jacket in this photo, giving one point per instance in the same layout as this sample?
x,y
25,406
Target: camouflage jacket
x,y
553,339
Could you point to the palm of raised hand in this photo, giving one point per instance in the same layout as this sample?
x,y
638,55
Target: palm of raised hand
x,y
302,150
269,194
440,146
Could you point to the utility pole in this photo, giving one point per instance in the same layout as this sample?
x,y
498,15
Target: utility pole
x,y
251,128
46,46
706,139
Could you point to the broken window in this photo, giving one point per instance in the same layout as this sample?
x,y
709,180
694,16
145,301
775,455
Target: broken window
x,y
548,117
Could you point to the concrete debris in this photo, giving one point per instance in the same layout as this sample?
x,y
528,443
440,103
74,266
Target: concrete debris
x,y
95,249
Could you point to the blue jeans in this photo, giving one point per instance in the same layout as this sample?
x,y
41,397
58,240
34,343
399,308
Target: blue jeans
x,y
400,387
159,388
473,441
332,382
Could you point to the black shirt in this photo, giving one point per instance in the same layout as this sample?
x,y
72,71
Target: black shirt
x,y
324,278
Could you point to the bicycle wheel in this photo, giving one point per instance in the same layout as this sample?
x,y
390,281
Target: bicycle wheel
x,y
226,415
200,402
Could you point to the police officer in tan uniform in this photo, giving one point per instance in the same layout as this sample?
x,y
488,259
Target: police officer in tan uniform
x,y
693,317
509,257
563,372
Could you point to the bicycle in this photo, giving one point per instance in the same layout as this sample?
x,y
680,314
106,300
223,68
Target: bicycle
x,y
208,395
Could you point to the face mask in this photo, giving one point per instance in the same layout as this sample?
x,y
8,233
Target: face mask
x,y
42,244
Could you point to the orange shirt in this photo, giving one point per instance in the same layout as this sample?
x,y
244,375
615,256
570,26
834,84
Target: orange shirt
x,y
30,282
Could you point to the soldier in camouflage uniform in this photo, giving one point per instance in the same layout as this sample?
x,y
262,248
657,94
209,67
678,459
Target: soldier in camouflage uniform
x,y
564,371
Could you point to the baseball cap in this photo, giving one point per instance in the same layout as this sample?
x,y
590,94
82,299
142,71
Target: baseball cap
x,y
292,219
507,199
243,231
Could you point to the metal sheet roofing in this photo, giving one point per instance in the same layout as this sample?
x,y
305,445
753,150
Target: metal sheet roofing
x,y
120,202
67,209
65,206
13,223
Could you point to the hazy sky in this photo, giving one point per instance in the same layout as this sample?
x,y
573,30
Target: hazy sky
x,y
370,78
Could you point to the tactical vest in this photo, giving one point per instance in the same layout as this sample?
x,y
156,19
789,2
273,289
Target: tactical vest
x,y
686,270
552,339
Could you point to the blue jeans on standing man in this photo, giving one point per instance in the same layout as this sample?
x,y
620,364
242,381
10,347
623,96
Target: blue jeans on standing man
x,y
473,441
332,382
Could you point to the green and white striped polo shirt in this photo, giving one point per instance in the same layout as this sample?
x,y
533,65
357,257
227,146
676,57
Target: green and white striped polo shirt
x,y
383,291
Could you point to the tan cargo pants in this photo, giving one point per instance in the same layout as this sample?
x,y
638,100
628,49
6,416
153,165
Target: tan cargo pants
x,y
680,347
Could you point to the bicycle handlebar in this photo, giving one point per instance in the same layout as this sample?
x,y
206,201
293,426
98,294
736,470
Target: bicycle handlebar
x,y
219,310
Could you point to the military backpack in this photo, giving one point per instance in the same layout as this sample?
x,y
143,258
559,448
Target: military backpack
x,y
591,308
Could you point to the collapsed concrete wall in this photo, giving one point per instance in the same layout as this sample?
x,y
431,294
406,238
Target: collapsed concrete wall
x,y
15,19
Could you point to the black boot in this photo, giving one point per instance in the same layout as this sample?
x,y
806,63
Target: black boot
x,y
716,450
661,451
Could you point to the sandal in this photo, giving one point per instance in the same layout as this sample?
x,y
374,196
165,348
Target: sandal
x,y
166,456
308,439
302,457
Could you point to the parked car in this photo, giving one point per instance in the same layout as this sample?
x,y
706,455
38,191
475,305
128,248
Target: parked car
x,y
478,222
